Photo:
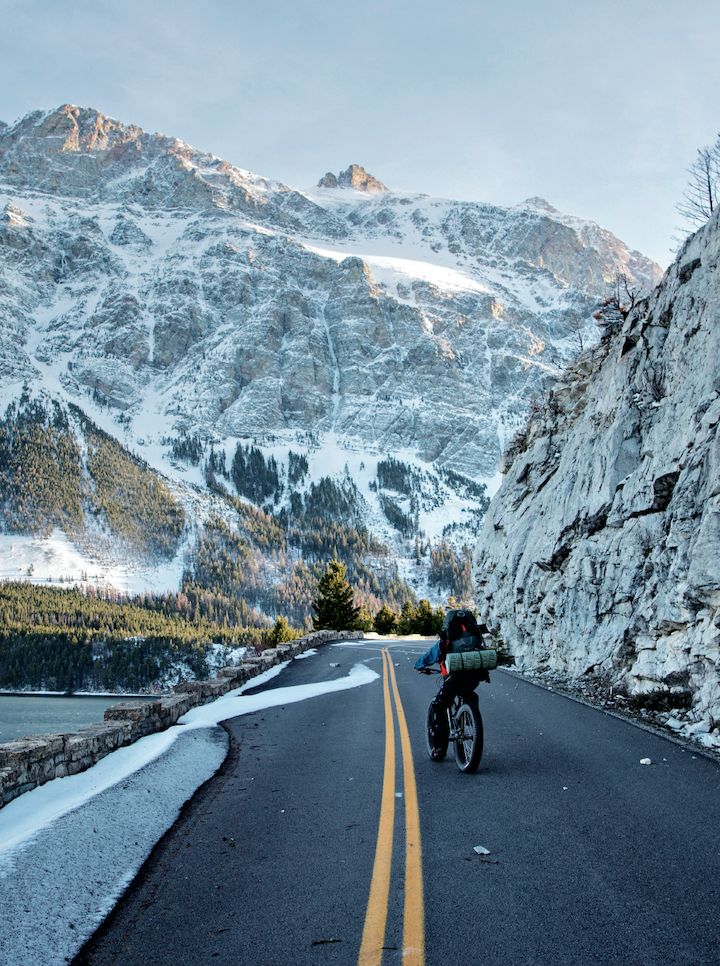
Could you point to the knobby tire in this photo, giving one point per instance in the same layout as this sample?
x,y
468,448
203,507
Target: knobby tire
x,y
469,743
439,754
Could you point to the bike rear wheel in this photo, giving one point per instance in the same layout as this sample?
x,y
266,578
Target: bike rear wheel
x,y
436,753
469,737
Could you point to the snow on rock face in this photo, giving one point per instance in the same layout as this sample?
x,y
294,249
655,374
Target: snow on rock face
x,y
80,153
54,559
177,287
167,292
601,550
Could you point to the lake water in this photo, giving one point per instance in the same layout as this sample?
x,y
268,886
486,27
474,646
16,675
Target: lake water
x,y
22,715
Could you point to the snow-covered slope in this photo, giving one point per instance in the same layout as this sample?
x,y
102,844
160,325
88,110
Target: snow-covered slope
x,y
169,293
600,553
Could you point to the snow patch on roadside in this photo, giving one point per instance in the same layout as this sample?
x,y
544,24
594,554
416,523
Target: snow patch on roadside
x,y
56,889
23,818
70,848
234,703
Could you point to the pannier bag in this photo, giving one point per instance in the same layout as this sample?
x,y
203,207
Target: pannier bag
x,y
485,660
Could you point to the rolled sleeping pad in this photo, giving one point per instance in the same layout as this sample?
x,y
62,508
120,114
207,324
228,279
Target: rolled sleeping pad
x,y
485,660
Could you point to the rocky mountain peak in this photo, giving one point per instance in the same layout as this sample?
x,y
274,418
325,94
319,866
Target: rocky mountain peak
x,y
354,176
173,296
71,128
540,204
79,152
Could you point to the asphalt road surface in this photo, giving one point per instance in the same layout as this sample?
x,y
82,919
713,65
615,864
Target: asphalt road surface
x,y
329,837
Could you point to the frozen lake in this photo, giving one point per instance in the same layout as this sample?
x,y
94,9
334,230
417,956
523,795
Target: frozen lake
x,y
24,715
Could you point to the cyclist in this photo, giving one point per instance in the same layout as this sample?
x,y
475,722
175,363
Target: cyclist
x,y
460,632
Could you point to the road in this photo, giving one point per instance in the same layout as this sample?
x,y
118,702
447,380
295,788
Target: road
x,y
594,858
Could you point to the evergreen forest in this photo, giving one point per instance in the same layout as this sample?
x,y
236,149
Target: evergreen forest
x,y
58,469
66,640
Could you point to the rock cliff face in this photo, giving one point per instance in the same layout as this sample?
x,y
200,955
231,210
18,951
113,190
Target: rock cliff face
x,y
169,293
601,552
166,281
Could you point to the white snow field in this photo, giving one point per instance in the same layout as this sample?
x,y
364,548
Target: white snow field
x,y
69,849
54,559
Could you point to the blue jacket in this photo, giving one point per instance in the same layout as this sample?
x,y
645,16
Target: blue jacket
x,y
433,656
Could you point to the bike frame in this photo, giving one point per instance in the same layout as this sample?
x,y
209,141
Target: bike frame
x,y
457,702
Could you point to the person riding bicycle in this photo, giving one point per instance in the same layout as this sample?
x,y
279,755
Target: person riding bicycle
x,y
460,632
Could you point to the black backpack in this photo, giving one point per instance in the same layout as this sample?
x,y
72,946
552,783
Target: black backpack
x,y
461,631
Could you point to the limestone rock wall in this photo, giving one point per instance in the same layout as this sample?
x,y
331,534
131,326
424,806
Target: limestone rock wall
x,y
29,762
600,554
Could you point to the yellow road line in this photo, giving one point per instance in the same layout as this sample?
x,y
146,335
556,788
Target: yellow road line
x,y
414,913
373,939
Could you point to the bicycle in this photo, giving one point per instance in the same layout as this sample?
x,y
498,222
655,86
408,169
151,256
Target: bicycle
x,y
465,729
465,724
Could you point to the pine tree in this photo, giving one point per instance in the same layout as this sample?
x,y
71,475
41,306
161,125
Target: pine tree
x,y
424,622
406,623
282,632
364,620
334,605
386,620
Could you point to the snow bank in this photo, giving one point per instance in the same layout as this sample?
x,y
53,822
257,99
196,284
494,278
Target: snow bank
x,y
35,810
69,848
235,703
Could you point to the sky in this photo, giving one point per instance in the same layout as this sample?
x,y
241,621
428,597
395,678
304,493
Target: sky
x,y
596,105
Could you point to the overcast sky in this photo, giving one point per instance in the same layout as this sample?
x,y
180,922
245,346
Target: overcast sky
x,y
596,105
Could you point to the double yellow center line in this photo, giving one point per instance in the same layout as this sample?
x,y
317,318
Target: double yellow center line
x,y
373,939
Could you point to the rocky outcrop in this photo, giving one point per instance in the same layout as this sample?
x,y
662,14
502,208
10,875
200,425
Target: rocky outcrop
x,y
185,293
78,152
170,294
29,762
355,177
328,180
600,555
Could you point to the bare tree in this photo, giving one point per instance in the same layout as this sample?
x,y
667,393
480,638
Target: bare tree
x,y
623,296
702,194
625,292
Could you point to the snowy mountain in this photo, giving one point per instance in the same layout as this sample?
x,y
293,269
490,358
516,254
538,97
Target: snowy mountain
x,y
176,298
599,554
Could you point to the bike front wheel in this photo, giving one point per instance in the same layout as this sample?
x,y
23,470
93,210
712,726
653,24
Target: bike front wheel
x,y
469,738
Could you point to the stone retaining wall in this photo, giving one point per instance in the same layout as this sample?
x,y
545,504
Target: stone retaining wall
x,y
29,762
